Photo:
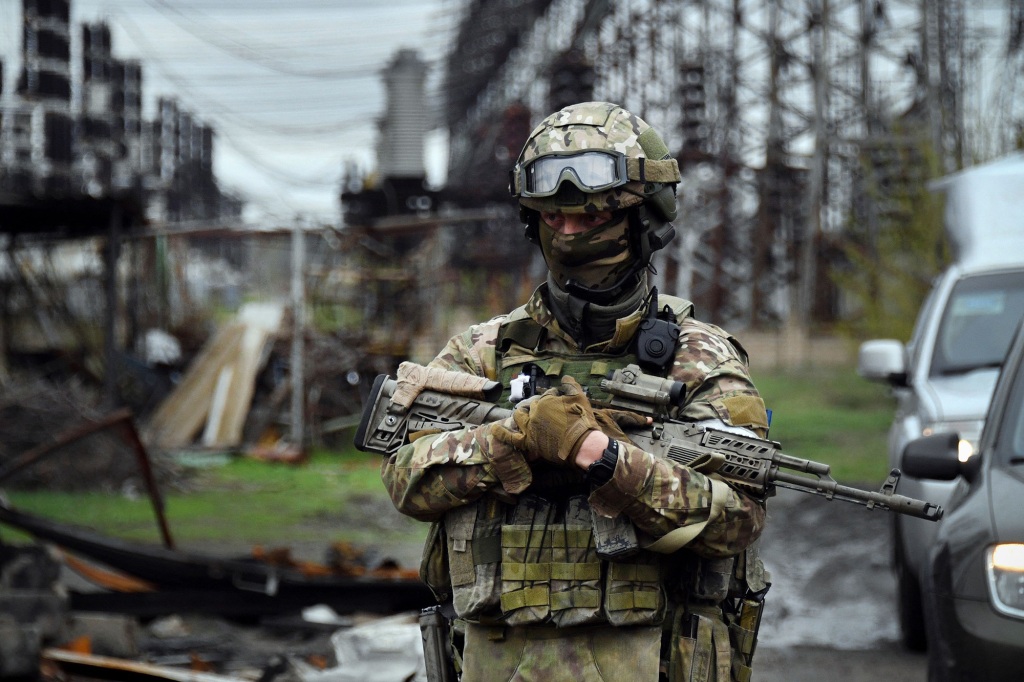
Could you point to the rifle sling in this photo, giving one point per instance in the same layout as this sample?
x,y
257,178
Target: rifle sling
x,y
680,537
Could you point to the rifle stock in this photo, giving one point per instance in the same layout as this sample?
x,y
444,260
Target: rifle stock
x,y
751,464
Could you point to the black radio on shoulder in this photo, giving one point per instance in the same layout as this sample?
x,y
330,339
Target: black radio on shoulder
x,y
657,338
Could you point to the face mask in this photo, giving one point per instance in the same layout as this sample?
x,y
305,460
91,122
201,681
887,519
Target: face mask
x,y
596,258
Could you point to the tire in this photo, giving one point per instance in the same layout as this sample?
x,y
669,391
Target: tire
x,y
942,664
908,597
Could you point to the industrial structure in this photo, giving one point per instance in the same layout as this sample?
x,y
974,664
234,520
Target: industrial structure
x,y
95,147
80,167
805,130
800,125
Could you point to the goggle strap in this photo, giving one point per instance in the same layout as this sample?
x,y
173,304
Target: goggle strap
x,y
653,170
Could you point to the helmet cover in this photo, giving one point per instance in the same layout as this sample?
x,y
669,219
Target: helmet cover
x,y
598,126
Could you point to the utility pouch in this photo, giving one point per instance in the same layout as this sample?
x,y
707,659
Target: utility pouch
x,y
575,568
550,571
700,648
634,593
714,578
434,562
745,609
614,538
743,635
474,553
525,584
526,563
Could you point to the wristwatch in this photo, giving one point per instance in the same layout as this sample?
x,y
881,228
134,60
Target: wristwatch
x,y
600,472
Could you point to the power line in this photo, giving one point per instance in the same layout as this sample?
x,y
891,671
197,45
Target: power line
x,y
219,109
225,71
220,37
224,132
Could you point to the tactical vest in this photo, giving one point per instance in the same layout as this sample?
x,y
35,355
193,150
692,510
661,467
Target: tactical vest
x,y
535,563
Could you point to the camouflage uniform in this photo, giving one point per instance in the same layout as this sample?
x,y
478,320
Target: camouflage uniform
x,y
454,477
518,541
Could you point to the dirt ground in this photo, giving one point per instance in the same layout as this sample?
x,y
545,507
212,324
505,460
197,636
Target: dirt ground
x,y
831,611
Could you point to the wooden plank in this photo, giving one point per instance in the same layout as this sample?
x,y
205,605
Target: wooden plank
x,y
218,386
179,417
262,322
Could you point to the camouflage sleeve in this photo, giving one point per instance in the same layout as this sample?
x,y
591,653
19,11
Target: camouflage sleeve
x,y
713,367
472,351
659,496
438,472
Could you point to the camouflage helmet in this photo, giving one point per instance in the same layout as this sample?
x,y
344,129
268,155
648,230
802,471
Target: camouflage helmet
x,y
636,166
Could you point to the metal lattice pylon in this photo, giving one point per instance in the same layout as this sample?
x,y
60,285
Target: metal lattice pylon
x,y
774,106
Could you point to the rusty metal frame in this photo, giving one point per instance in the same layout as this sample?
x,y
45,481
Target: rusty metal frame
x,y
123,418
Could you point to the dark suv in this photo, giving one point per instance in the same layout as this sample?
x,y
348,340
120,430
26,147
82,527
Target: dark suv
x,y
973,577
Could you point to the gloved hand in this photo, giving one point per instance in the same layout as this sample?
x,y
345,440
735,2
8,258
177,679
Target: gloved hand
x,y
553,426
614,423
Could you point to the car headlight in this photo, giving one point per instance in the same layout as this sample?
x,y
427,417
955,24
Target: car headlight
x,y
1006,578
968,429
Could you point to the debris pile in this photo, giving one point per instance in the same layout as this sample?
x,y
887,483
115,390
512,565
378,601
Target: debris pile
x,y
43,637
102,608
36,410
231,394
236,391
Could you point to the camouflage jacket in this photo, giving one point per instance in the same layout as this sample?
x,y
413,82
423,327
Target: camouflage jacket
x,y
437,473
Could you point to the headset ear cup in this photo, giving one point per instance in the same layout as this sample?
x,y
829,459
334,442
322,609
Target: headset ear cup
x,y
663,202
649,231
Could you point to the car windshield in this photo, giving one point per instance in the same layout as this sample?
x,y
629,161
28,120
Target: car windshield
x,y
978,323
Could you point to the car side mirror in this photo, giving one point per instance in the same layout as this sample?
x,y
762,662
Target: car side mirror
x,y
936,457
883,360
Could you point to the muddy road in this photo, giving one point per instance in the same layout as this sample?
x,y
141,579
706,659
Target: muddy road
x,y
831,611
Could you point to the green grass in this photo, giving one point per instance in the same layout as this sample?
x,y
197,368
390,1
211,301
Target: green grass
x,y
826,415
831,416
246,501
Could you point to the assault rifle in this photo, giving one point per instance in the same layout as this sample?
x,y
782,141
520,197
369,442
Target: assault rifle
x,y
442,401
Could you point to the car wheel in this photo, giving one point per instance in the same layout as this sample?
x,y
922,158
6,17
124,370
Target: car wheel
x,y
908,597
938,670
942,664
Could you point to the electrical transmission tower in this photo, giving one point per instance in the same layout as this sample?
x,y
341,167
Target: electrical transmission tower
x,y
793,121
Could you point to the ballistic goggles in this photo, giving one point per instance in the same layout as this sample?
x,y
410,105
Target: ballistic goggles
x,y
591,171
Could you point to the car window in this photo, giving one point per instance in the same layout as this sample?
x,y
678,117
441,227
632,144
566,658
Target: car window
x,y
978,323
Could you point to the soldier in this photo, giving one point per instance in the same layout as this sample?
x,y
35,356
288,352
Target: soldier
x,y
566,552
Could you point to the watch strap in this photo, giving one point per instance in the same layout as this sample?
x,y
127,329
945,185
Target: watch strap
x,y
601,471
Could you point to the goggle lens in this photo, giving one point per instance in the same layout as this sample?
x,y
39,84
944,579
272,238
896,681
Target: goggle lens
x,y
590,171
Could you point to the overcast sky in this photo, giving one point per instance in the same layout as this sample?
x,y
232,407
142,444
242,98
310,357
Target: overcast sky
x,y
292,89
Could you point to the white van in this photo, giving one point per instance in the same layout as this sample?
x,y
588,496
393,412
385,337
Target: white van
x,y
944,376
